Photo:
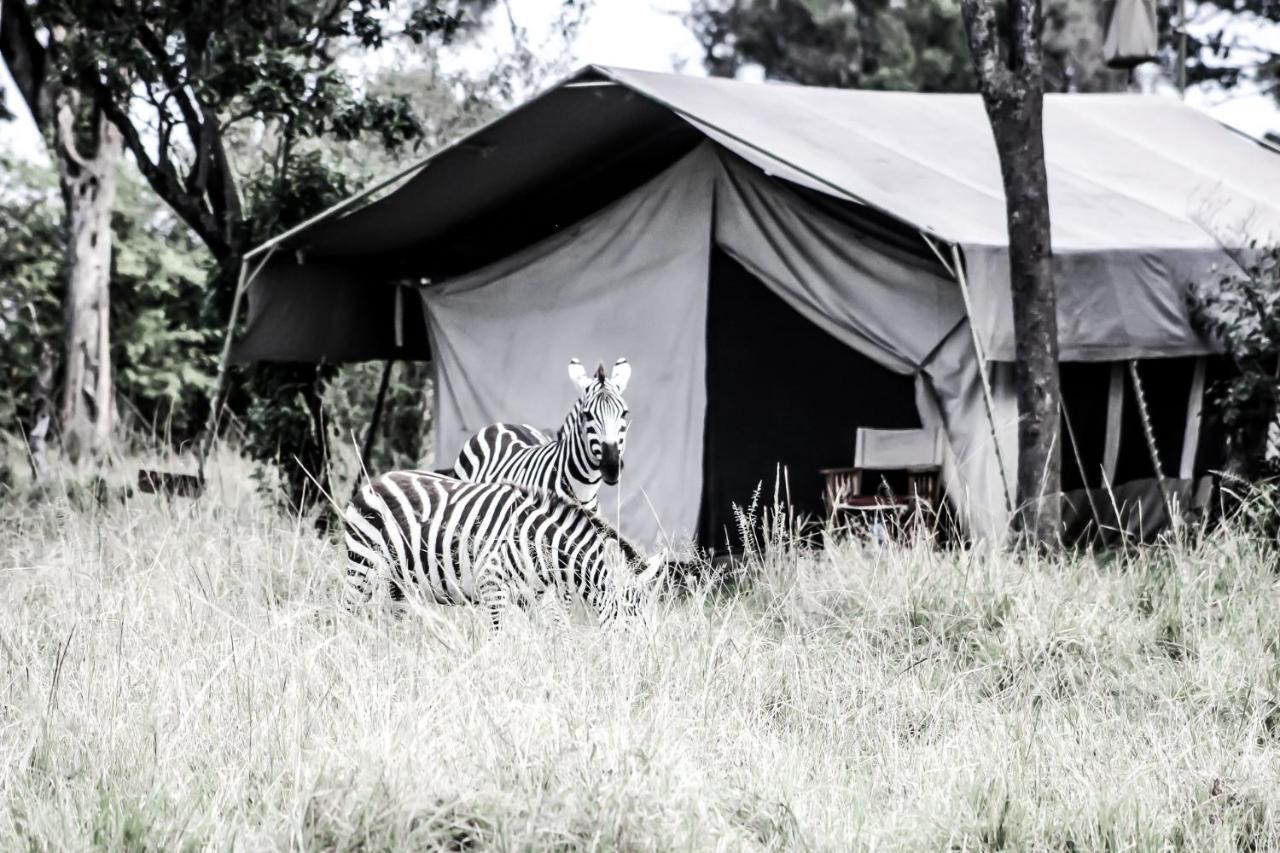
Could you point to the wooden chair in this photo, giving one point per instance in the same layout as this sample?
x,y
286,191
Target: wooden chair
x,y
916,452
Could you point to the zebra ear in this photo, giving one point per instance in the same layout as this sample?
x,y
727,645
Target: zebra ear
x,y
578,374
654,568
621,374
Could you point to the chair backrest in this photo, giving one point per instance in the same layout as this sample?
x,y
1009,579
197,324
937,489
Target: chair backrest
x,y
892,449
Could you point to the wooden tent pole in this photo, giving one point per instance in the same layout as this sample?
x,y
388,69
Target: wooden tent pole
x,y
956,268
369,437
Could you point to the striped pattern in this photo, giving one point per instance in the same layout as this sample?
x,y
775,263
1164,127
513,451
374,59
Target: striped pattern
x,y
485,543
587,451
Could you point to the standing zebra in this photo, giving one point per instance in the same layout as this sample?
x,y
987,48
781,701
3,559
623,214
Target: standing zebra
x,y
587,450
486,543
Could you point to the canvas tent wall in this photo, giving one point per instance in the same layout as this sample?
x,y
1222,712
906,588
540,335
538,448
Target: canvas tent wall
x,y
585,221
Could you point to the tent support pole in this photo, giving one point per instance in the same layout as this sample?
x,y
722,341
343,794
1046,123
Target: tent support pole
x,y
1075,451
215,400
956,268
366,451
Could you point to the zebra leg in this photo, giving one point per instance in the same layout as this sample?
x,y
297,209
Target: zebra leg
x,y
495,598
395,588
364,565
358,588
493,590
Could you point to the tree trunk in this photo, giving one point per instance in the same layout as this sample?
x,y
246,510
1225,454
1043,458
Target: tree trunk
x,y
88,181
1020,142
1010,72
41,404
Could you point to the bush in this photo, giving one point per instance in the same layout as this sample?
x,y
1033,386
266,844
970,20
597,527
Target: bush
x,y
1241,309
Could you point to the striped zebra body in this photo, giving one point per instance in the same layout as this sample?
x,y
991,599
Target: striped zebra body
x,y
482,543
585,453
527,457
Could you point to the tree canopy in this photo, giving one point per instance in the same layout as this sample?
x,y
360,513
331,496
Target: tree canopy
x,y
188,82
914,45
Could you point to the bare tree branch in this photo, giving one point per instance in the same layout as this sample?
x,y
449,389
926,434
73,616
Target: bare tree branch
x,y
25,57
165,180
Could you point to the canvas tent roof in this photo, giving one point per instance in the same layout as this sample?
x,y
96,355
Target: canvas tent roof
x,y
1125,171
1132,181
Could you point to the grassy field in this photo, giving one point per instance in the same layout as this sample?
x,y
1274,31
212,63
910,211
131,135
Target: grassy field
x,y
181,676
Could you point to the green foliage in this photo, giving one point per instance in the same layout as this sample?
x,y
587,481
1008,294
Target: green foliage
x,y
403,439
916,45
1228,44
1241,309
163,343
288,432
220,102
186,82
31,281
164,340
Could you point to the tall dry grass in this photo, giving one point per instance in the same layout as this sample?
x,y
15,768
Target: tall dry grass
x,y
179,675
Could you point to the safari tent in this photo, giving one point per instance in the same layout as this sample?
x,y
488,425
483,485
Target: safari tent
x,y
783,265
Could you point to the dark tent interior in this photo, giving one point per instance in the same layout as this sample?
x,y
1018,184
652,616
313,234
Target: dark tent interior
x,y
780,391
1167,385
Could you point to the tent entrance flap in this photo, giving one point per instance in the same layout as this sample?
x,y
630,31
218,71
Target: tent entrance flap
x,y
780,392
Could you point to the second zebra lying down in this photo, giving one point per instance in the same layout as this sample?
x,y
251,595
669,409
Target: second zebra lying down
x,y
487,543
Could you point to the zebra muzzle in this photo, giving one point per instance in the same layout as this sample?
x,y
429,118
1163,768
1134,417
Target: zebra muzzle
x,y
610,463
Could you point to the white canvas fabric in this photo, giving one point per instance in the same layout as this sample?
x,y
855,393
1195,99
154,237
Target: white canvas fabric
x,y
629,281
1133,36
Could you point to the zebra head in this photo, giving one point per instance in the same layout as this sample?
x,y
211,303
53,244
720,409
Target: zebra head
x,y
635,584
599,419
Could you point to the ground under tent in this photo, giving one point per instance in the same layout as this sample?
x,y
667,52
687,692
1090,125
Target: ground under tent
x,y
782,265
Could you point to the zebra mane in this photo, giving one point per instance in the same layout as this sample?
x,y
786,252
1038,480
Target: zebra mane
x,y
555,501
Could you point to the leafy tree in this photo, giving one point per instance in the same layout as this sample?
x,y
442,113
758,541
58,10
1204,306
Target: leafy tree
x,y
85,148
224,106
914,45
165,345
1225,46
1241,309
31,258
163,349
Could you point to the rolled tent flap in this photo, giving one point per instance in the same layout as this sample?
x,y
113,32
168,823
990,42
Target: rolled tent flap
x,y
885,303
629,281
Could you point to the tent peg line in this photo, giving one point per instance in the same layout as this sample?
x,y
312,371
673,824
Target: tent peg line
x,y
1075,450
1149,433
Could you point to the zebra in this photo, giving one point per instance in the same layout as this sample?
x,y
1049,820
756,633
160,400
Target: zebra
x,y
487,544
587,451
